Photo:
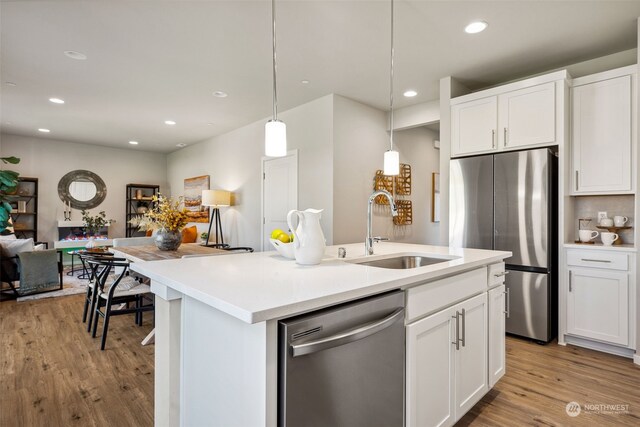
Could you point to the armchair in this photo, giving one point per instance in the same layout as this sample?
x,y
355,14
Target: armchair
x,y
37,271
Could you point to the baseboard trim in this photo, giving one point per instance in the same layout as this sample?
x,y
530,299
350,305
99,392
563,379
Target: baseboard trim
x,y
598,346
636,359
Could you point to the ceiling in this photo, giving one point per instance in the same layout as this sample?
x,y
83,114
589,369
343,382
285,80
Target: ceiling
x,y
150,61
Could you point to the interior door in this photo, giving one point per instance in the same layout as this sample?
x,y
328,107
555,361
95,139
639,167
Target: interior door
x,y
279,194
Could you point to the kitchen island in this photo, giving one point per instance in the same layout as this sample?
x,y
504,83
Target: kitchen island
x,y
216,320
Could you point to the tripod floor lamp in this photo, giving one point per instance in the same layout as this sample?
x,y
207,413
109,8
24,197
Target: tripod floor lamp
x,y
216,199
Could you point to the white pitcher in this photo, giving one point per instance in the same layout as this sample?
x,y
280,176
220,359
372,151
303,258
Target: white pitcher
x,y
308,240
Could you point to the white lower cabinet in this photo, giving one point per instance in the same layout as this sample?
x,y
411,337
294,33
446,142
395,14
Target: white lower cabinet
x,y
447,363
598,304
497,353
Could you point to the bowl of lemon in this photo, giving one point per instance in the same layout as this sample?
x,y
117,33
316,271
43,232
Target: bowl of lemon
x,y
283,242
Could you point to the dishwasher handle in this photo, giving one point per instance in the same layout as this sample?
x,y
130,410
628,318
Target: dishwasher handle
x,y
347,337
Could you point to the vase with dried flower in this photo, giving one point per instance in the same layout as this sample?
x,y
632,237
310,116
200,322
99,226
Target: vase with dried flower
x,y
168,217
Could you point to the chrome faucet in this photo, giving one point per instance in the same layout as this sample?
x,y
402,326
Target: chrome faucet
x,y
368,243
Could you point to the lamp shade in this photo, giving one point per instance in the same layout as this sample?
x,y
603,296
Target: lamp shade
x,y
391,162
275,139
216,198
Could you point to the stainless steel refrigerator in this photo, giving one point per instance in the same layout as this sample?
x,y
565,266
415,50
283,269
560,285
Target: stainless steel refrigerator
x,y
508,201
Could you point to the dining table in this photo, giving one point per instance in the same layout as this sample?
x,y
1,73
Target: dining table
x,y
150,253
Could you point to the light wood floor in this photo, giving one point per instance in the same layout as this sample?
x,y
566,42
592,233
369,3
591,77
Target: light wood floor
x,y
541,380
52,373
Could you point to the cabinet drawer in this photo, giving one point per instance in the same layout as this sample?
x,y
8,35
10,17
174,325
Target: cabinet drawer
x,y
598,259
427,298
495,274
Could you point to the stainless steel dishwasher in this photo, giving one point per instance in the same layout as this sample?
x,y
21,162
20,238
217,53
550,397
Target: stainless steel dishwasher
x,y
344,366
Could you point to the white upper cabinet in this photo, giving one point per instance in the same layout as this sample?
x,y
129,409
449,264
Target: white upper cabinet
x,y
474,126
511,117
527,117
602,135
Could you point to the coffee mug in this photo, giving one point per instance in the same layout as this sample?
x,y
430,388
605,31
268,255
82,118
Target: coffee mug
x,y
587,235
620,221
606,222
608,238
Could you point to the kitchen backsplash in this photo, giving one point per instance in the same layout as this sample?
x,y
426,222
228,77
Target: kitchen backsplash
x,y
589,206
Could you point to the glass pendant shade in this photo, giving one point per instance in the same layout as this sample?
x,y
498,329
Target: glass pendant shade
x,y
391,162
275,139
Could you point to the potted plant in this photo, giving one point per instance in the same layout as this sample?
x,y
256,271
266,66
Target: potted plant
x,y
93,225
168,217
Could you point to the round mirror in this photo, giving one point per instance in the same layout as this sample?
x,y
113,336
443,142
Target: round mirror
x,y
83,189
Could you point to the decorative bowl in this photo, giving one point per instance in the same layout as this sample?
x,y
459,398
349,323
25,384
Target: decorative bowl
x,y
284,249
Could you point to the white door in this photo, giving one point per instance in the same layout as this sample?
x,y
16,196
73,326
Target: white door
x,y
471,362
527,117
473,126
598,305
279,194
430,371
496,334
601,128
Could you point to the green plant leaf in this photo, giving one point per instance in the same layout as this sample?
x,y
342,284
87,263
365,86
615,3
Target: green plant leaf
x,y
4,215
13,160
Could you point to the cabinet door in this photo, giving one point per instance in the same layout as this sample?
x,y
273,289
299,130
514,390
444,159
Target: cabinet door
x,y
601,128
430,371
496,334
473,126
598,305
471,364
527,117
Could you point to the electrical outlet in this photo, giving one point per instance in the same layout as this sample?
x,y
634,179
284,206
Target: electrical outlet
x,y
601,215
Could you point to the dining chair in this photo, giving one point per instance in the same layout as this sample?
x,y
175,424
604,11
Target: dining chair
x,y
90,297
115,292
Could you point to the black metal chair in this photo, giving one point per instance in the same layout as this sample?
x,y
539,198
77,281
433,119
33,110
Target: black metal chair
x,y
90,298
113,290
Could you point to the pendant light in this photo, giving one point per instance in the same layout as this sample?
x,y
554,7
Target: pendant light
x,y
275,131
391,157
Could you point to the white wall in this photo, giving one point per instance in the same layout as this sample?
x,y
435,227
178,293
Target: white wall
x,y
416,149
360,140
233,161
49,160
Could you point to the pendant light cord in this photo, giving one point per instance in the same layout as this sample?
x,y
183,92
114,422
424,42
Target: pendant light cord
x,y
391,85
273,36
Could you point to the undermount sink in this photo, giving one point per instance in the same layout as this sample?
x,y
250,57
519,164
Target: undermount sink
x,y
403,262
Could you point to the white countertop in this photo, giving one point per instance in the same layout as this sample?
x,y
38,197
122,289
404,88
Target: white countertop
x,y
261,286
600,246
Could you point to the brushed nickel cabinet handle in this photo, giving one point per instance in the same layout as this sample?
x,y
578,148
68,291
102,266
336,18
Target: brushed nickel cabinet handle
x,y
577,180
456,341
505,137
570,288
606,261
493,138
464,328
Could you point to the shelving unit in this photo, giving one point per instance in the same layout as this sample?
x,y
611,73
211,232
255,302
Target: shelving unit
x,y
24,213
138,200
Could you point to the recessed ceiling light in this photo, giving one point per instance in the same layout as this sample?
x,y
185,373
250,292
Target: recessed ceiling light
x,y
410,93
476,27
75,55
209,124
181,145
10,83
220,94
57,100
304,82
169,122
44,130
133,142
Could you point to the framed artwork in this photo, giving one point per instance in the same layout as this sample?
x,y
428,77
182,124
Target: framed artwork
x,y
435,197
193,198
